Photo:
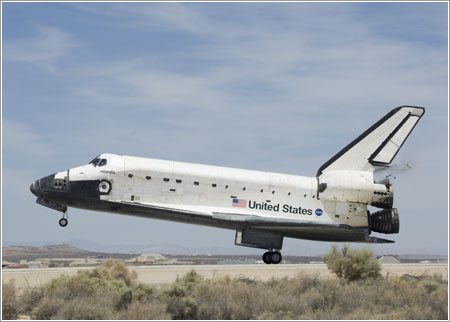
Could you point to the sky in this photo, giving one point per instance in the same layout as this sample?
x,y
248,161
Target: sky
x,y
277,87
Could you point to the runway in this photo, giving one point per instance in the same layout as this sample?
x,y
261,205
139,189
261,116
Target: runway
x,y
163,274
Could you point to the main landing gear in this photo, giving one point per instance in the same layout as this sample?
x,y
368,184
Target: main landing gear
x,y
271,257
64,220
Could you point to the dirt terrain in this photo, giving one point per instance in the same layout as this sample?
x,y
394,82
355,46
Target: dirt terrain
x,y
17,253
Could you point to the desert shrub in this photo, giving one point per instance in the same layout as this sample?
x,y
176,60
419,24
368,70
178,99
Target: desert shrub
x,y
351,265
178,296
30,298
47,308
9,301
144,311
143,293
438,302
92,294
121,272
227,299
98,306
103,293
439,278
430,286
279,299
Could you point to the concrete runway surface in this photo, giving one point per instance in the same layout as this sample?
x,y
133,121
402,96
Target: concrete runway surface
x,y
163,274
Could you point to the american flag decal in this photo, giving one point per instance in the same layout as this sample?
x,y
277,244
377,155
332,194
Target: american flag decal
x,y
241,203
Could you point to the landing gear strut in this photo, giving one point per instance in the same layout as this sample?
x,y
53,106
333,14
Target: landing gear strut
x,y
64,220
272,257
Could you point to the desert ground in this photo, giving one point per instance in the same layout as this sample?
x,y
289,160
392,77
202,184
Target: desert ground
x,y
164,274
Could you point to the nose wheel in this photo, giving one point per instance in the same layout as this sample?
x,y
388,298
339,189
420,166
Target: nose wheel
x,y
64,220
272,257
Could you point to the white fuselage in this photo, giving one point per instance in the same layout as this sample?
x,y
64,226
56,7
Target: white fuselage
x,y
261,207
208,189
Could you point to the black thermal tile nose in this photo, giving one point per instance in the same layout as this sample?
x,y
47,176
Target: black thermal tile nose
x,y
34,188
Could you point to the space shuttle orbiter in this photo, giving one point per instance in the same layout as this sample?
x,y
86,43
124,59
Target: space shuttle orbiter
x,y
261,207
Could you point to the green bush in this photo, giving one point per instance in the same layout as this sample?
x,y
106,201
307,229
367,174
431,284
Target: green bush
x,y
352,265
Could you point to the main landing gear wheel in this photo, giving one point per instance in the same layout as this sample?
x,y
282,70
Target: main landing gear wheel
x,y
266,258
272,257
275,258
64,220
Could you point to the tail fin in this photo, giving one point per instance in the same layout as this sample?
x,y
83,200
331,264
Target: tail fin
x,y
379,144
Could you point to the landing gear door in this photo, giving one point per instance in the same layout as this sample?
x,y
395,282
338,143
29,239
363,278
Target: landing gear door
x,y
256,238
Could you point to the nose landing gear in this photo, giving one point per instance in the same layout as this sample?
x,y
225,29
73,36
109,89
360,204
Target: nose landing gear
x,y
271,257
64,220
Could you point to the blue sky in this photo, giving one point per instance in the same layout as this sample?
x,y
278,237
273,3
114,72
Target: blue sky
x,y
267,86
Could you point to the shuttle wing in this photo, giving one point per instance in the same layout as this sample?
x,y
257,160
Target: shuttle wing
x,y
287,227
379,144
297,227
255,220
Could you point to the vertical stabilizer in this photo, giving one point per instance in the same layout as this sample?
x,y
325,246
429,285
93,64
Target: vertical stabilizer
x,y
379,144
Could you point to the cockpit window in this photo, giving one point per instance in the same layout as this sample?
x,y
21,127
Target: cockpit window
x,y
97,162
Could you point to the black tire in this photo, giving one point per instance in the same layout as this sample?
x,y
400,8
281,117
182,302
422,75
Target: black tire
x,y
266,258
275,257
63,222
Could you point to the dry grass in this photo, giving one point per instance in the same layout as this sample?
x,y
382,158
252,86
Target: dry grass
x,y
111,292
10,303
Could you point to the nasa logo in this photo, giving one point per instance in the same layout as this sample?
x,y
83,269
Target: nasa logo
x,y
319,212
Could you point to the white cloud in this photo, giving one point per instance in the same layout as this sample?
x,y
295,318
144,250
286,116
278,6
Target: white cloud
x,y
270,88
42,50
266,77
168,16
295,54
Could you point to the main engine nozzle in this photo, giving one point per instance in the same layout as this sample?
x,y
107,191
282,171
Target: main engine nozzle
x,y
385,221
